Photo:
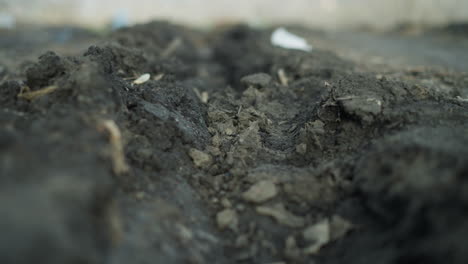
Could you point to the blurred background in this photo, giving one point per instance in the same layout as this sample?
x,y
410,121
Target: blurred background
x,y
329,14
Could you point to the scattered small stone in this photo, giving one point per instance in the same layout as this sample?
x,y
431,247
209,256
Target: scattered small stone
x,y
261,192
281,215
258,79
226,203
319,235
229,131
200,159
227,219
301,148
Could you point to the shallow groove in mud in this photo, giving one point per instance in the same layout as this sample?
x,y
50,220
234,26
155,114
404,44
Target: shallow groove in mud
x,y
234,151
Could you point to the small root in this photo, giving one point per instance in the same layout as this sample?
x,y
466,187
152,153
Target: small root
x,y
171,48
117,151
27,94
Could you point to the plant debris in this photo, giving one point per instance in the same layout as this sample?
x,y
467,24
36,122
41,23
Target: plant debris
x,y
27,94
117,148
142,79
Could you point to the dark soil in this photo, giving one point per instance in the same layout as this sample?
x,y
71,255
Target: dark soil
x,y
233,152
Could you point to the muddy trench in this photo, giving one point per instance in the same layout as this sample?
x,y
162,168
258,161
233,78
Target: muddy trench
x,y
232,151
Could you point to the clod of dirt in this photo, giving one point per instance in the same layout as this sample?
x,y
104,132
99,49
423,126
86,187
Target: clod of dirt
x,y
256,80
42,73
367,109
227,219
201,159
260,192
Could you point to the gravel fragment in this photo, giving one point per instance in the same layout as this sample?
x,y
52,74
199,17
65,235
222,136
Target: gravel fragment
x,y
319,235
260,192
227,219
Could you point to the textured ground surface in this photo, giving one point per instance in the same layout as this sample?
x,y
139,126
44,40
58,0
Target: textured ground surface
x,y
233,152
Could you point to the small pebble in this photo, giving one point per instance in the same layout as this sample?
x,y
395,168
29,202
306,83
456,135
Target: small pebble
x,y
227,219
261,192
226,203
318,235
